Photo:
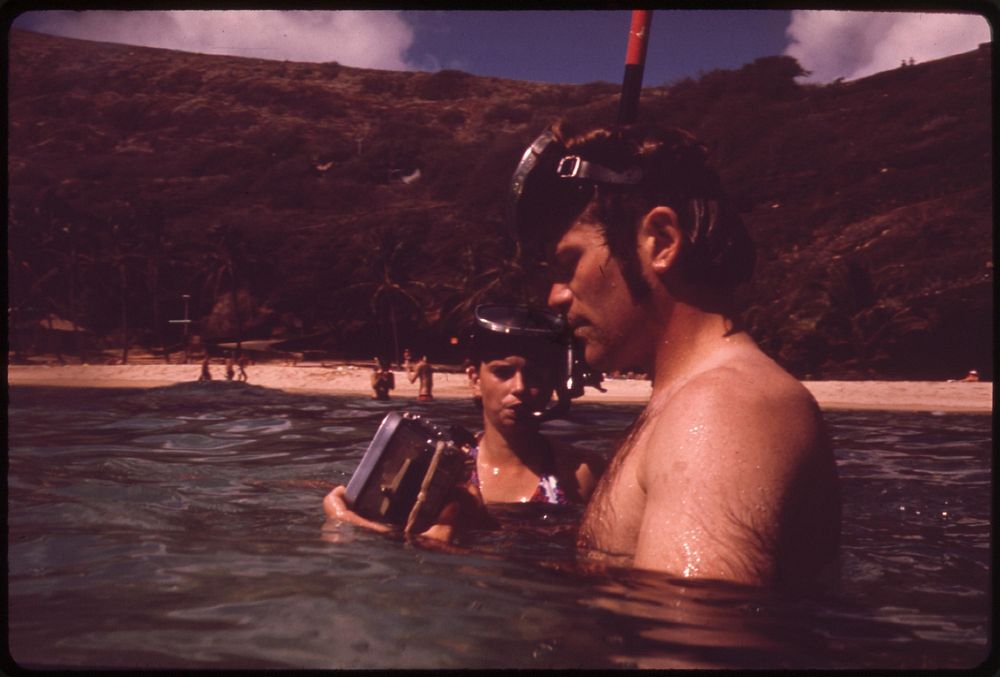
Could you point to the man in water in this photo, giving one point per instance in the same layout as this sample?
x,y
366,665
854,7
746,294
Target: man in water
x,y
425,372
728,472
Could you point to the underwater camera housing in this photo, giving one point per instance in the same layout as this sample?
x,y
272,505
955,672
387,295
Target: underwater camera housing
x,y
412,463
410,466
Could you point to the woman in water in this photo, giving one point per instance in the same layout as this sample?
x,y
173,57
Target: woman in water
x,y
514,462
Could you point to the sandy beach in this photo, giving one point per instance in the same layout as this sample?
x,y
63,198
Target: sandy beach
x,y
952,396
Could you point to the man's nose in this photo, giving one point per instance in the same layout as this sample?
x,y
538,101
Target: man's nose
x,y
559,297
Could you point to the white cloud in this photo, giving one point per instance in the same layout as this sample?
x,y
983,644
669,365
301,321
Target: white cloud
x,y
850,45
364,39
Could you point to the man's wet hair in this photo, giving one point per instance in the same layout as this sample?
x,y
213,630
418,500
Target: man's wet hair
x,y
719,253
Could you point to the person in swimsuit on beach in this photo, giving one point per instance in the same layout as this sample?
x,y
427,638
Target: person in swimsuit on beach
x,y
513,461
425,372
206,373
472,374
728,472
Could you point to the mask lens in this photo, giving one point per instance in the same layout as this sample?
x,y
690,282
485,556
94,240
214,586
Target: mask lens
x,y
520,321
545,143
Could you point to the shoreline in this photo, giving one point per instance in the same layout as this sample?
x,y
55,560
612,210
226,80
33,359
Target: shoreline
x,y
943,396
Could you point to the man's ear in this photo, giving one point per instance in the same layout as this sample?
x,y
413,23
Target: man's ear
x,y
660,238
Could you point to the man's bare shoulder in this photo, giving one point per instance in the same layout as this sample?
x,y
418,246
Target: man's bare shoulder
x,y
737,453
754,383
749,406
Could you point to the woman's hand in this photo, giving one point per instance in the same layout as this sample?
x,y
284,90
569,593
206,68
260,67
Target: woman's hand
x,y
336,508
464,510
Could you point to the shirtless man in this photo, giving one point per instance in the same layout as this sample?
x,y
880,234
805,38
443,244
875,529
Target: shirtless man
x,y
728,472
425,372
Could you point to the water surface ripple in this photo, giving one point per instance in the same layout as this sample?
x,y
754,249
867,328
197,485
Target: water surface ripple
x,y
181,527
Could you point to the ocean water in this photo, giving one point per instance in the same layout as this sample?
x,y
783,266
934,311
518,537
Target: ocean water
x,y
182,527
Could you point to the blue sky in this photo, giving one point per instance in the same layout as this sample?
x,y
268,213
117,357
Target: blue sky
x,y
560,46
583,46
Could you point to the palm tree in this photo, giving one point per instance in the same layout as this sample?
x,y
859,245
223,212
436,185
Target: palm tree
x,y
47,240
486,278
122,254
393,295
154,229
221,267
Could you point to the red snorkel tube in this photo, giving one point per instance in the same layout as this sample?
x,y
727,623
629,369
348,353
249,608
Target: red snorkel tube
x,y
635,62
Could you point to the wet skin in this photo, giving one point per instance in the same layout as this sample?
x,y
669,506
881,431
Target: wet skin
x,y
728,473
511,456
512,449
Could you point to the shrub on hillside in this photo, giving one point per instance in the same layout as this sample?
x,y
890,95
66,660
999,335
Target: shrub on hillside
x,y
180,81
376,83
194,114
130,113
313,101
329,70
227,159
571,96
452,118
278,141
443,85
506,112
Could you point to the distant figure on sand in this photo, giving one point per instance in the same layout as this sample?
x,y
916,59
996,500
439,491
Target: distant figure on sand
x,y
472,372
383,381
206,373
230,368
407,360
973,375
242,365
425,373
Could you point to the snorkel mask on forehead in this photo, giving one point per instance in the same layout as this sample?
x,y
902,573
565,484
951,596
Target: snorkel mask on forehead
x,y
525,328
548,161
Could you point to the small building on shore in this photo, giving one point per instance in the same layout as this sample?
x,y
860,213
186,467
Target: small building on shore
x,y
52,335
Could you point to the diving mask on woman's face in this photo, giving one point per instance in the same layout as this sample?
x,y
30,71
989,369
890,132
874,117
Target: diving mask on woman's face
x,y
540,335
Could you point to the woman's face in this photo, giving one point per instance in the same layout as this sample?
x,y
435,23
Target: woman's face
x,y
512,388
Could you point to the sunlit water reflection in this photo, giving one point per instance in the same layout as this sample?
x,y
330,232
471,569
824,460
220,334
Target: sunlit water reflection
x,y
182,527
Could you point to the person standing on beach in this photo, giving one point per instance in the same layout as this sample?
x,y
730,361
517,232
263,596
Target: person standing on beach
x,y
230,368
472,373
728,472
241,364
425,372
206,373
